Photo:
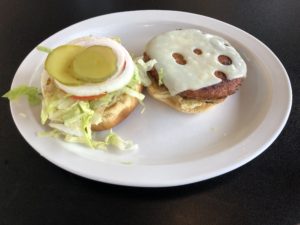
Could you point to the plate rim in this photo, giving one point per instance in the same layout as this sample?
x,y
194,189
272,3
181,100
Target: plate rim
x,y
181,181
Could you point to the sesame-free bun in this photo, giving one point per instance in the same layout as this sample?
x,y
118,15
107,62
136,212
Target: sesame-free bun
x,y
179,103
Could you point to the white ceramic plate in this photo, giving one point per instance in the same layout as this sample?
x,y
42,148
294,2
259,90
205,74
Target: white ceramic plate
x,y
174,148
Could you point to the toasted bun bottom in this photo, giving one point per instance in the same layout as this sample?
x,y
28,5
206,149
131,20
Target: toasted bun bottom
x,y
117,112
179,103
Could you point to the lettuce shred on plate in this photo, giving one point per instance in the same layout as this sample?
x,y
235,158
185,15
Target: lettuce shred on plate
x,y
32,93
43,49
72,119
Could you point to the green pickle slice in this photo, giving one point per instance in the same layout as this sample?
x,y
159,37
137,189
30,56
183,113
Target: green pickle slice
x,y
58,64
95,64
75,65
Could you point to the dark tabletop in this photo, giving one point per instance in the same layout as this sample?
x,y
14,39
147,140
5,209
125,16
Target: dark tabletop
x,y
34,191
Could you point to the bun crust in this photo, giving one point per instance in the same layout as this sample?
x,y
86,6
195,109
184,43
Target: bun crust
x,y
117,112
179,103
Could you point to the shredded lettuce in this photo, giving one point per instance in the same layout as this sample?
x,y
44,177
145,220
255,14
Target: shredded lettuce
x,y
65,129
58,107
112,139
43,49
130,88
143,68
44,114
72,119
86,124
135,80
115,140
134,93
32,93
77,128
52,133
105,101
160,76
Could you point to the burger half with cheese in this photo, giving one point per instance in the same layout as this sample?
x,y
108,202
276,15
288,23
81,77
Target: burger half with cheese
x,y
194,70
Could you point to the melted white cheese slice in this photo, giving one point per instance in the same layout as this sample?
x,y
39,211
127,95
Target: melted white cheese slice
x,y
199,70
